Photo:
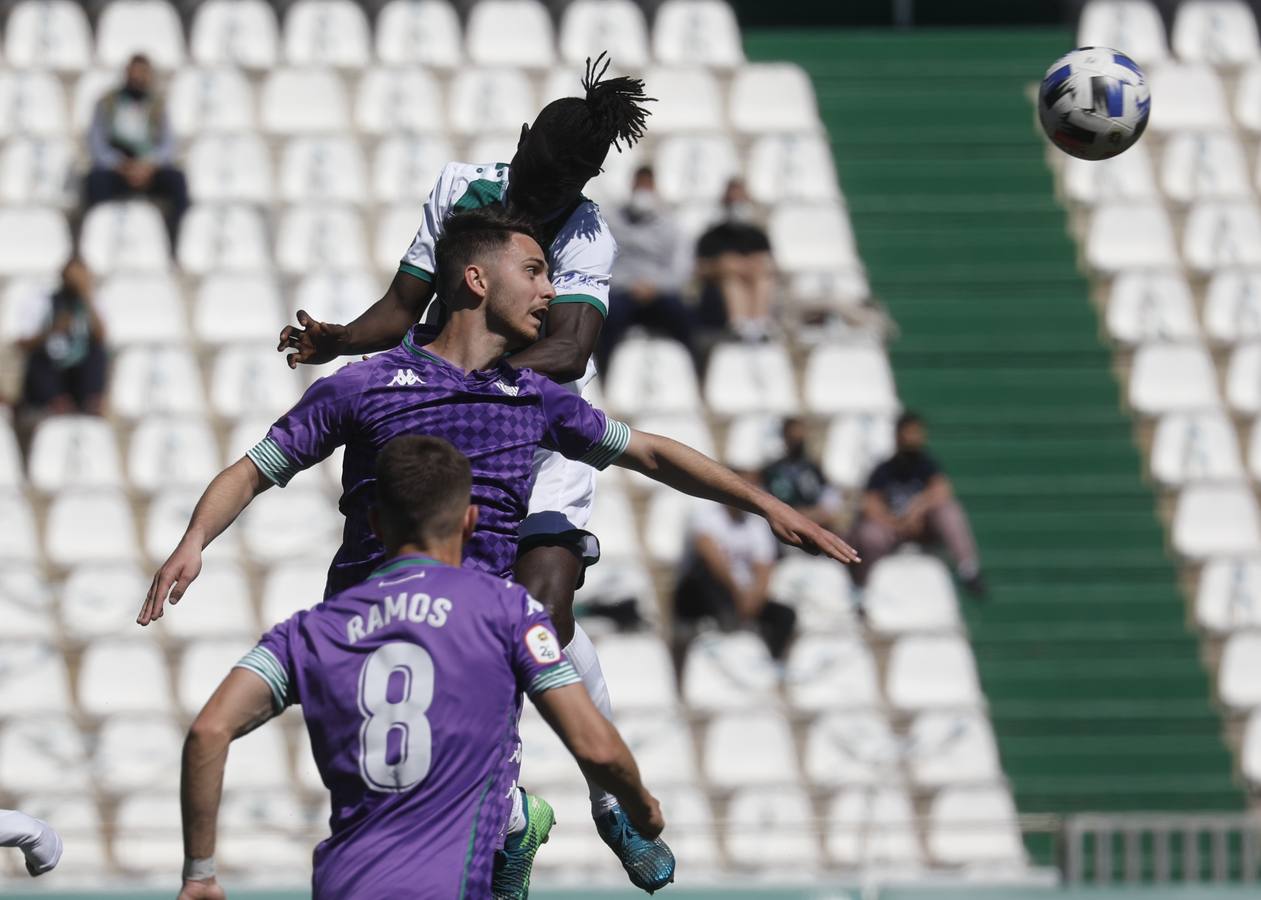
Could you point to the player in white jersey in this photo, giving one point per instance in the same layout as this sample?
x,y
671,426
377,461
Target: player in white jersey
x,y
556,157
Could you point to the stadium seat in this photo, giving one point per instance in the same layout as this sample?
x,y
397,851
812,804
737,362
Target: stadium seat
x,y
210,101
849,748
621,576
694,842
223,237
404,169
639,672
613,520
1172,378
911,592
201,667
812,238
747,378
490,100
1134,25
303,101
854,445
974,826
949,748
728,672
573,842
662,744
167,519
1243,378
79,823
1250,753
682,427
267,829
651,375
135,753
32,240
323,169
862,368
544,758
141,309
749,749
149,380
396,228
297,520
124,676
665,525
235,307
11,475
37,171
234,33
1248,99
1216,520
1232,306
327,33
932,672
1127,177
1222,234
89,526
151,27
336,296
147,832
51,34
89,88
33,104
245,432
873,828
316,237
32,678
1239,675
259,761
399,101
1151,306
818,589
217,605
26,602
791,167
1191,99
1229,595
24,307
292,585
125,235
500,146
772,97
1254,451
17,541
697,32
74,452
1190,447
43,753
1129,236
754,441
413,33
1220,32
689,100
510,33
102,600
1200,166
775,826
617,26
827,672
250,379
694,167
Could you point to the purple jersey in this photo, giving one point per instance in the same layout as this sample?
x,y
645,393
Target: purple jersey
x,y
411,684
496,417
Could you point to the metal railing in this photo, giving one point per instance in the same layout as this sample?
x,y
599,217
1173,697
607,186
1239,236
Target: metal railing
x,y
1161,849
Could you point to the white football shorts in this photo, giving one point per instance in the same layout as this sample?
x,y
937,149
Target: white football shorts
x,y
560,506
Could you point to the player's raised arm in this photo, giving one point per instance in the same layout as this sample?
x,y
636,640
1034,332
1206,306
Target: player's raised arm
x,y
572,332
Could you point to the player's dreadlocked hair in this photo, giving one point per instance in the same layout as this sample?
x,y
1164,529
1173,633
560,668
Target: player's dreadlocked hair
x,y
616,105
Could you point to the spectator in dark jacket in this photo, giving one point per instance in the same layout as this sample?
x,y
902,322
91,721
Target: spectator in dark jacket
x,y
796,479
737,273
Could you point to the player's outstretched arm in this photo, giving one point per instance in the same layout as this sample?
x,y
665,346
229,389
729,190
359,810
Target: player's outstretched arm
x,y
686,470
224,499
572,332
380,327
242,702
601,753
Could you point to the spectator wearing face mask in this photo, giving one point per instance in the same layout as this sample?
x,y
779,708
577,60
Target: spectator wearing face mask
x,y
133,149
737,272
650,272
797,479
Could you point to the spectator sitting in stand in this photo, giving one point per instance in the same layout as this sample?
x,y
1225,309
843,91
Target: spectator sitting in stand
x,y
650,272
797,480
909,498
737,273
132,148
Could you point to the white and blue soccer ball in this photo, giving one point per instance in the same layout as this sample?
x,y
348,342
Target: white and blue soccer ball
x,y
1094,103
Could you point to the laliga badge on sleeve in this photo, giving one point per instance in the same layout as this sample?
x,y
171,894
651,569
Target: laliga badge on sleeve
x,y
543,645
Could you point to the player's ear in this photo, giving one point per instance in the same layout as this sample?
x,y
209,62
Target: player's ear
x,y
470,522
475,280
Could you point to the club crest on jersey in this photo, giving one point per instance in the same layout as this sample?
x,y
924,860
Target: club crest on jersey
x,y
510,389
542,645
405,378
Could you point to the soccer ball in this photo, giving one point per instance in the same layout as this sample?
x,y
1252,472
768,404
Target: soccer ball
x,y
1094,103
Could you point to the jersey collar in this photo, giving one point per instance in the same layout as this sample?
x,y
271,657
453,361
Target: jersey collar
x,y
410,561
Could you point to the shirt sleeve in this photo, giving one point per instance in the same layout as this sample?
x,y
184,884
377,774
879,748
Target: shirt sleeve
x,y
418,261
272,660
579,431
538,661
317,425
582,259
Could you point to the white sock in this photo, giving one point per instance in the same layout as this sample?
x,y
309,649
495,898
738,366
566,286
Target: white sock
x,y
516,819
581,655
39,842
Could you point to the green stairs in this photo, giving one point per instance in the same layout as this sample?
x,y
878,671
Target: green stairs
x,y
1096,690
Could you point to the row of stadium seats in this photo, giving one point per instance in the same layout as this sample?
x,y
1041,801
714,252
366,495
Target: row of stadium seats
x,y
1222,32
1217,234
1180,377
57,34
1194,166
1146,306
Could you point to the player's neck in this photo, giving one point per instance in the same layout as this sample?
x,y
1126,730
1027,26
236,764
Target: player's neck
x,y
466,342
449,552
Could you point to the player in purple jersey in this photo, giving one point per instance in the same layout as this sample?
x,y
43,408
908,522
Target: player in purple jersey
x,y
410,684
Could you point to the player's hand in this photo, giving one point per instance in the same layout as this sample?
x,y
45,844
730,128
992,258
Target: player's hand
x,y
202,890
797,530
646,816
176,574
316,342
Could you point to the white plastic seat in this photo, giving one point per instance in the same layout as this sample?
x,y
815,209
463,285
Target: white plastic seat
x,y
327,33
849,378
853,446
32,103
1250,753
147,827
490,100
1229,595
79,823
686,429
1232,306
697,32
234,33
291,586
303,101
510,33
124,676
1248,99
639,672
11,476
419,33
694,844
89,88
774,825
754,441
32,678
1190,98
617,26
17,541
396,226
1131,26
259,761
50,34
1199,166
746,378
971,826
1125,177
37,170
142,309
207,101
26,602
89,526
728,672
329,169
337,296
223,237
236,307
873,827
102,600
43,753
613,521
149,380
791,167
811,238
216,605
620,576
666,525
831,672
689,100
662,744
573,842
135,753
1243,378
694,167
855,747
1222,234
313,237
202,666
297,520
1130,236
399,101
932,672
947,748
74,452
1172,378
405,169
911,592
1221,32
266,829
1239,675
1216,520
818,588
126,235
544,758
749,748
1254,451
772,97
651,375
252,379
151,27
1147,306
32,240
166,520
1190,447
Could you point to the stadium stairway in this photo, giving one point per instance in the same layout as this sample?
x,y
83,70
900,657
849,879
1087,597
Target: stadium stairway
x,y
1096,690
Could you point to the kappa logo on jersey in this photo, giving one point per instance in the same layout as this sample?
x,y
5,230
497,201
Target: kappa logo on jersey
x,y
510,389
542,645
405,378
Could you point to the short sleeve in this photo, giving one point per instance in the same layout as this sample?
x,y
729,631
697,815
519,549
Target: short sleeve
x,y
579,431
582,258
418,261
272,660
317,424
538,661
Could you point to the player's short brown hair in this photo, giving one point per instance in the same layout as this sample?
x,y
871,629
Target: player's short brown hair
x,y
423,486
467,237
